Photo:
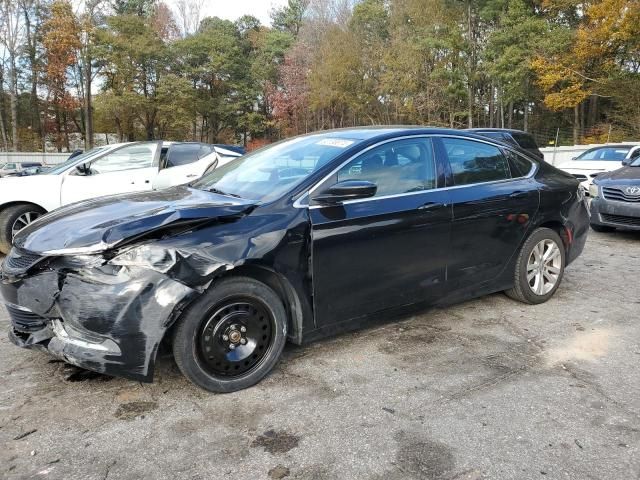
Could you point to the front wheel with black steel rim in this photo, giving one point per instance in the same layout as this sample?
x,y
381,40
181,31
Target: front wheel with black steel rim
x,y
13,219
232,336
539,268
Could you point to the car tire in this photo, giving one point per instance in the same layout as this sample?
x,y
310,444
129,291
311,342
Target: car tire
x,y
238,311
8,218
534,281
602,228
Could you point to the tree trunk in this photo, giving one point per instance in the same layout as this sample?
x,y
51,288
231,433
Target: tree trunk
x,y
576,122
492,105
88,109
13,101
510,115
525,126
593,110
3,128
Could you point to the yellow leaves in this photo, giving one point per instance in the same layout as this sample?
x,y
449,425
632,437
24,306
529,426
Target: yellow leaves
x,y
608,27
563,87
61,42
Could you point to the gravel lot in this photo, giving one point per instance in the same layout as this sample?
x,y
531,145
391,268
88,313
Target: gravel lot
x,y
486,389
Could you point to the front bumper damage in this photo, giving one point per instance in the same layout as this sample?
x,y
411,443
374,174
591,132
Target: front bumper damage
x,y
106,318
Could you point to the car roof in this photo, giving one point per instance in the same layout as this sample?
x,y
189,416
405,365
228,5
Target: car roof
x,y
368,133
504,130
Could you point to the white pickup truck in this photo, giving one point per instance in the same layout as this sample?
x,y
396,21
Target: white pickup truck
x,y
108,170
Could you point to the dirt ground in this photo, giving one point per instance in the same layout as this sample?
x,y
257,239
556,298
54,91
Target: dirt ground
x,y
487,389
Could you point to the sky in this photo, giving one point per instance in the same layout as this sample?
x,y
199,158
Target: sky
x,y
234,9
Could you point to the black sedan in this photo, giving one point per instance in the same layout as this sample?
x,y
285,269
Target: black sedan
x,y
302,239
616,199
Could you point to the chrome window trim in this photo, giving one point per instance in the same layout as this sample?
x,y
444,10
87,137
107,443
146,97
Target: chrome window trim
x,y
305,196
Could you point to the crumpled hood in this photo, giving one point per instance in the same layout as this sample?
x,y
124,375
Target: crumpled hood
x,y
100,224
622,176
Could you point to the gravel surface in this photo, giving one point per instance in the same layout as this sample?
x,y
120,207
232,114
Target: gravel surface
x,y
486,389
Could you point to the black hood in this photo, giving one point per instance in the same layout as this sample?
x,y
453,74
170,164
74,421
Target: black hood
x,y
103,223
622,176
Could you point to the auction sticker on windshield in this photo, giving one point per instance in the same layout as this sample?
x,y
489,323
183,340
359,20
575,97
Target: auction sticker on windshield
x,y
335,142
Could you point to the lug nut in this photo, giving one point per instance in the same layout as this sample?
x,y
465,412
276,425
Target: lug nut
x,y
243,329
225,337
243,341
232,346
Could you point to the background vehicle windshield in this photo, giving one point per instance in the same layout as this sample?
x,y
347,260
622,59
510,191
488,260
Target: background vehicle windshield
x,y
62,167
606,153
266,174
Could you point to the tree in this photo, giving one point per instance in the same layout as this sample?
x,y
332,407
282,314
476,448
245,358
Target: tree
x,y
289,18
11,35
61,42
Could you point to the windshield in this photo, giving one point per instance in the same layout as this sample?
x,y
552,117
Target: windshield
x,y
616,154
266,174
62,167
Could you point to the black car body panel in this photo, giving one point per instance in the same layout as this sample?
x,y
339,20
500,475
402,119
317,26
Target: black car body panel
x,y
147,257
618,201
106,222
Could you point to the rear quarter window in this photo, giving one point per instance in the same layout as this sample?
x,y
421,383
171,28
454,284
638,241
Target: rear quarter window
x,y
520,166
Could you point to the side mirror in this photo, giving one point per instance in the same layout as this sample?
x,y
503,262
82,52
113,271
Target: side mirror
x,y
573,158
346,190
626,161
83,169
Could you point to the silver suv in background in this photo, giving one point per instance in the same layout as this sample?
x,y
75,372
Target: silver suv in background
x,y
13,168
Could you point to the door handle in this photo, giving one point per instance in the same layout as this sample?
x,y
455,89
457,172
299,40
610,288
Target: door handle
x,y
146,181
518,195
192,175
430,206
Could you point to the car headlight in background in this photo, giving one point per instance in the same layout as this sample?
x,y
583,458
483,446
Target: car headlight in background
x,y
593,190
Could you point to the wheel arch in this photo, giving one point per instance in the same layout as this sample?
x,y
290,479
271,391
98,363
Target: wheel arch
x,y
561,229
277,282
283,289
15,203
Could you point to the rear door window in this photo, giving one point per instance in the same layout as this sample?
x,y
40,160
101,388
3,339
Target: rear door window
x,y
475,162
184,154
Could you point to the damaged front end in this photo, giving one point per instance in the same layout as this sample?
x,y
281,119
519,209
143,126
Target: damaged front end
x,y
103,317
107,309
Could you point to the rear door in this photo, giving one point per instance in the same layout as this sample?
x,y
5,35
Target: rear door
x,y
388,250
492,208
130,168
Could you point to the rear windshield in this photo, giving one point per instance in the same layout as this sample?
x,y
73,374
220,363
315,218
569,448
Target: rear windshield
x,y
525,141
616,154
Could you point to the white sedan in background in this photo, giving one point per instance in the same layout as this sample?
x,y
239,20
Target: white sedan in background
x,y
589,164
108,170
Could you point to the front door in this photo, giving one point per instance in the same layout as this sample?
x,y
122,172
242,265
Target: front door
x,y
493,203
388,250
131,168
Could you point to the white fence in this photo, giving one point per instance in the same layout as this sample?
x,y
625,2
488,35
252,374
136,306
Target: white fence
x,y
43,158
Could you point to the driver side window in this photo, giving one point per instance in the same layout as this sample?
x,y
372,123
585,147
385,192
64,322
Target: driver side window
x,y
126,158
396,167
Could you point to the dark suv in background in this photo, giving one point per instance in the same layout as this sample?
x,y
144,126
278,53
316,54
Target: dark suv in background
x,y
518,138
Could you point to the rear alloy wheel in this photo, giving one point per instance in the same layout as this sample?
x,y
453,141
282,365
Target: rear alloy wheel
x,y
539,268
12,220
231,337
